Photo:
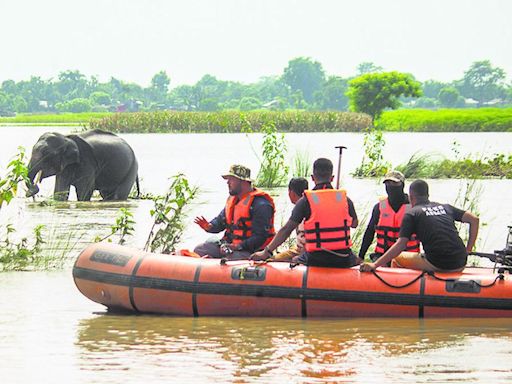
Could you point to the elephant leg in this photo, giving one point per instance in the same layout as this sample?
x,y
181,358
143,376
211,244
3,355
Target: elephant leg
x,y
83,194
84,188
61,190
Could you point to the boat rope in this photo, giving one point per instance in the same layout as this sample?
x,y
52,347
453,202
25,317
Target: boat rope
x,y
500,276
433,275
399,286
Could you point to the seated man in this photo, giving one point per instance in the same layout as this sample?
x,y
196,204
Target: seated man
x,y
434,226
296,188
328,215
247,218
387,216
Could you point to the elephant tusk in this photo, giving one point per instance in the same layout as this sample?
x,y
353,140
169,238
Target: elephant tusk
x,y
37,178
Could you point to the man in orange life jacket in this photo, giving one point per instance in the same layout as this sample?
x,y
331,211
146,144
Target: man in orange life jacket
x,y
434,225
328,215
386,218
247,218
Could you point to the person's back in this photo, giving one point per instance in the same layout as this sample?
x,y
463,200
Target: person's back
x,y
434,225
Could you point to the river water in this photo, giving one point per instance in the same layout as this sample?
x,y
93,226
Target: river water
x,y
49,331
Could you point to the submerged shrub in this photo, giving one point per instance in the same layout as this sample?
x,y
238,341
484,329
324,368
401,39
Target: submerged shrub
x,y
169,214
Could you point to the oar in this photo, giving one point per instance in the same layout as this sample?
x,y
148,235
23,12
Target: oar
x,y
341,148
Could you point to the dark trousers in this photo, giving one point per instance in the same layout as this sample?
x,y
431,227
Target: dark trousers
x,y
327,259
211,249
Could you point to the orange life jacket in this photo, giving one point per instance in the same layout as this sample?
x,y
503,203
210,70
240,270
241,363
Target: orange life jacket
x,y
328,227
239,217
388,228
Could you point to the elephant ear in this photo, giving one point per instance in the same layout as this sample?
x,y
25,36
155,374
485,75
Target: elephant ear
x,y
70,155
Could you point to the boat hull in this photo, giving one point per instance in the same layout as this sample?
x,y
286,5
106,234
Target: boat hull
x,y
129,279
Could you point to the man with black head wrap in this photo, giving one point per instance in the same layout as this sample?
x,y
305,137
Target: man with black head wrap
x,y
386,218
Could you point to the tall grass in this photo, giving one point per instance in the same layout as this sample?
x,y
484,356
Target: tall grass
x,y
432,167
232,121
301,164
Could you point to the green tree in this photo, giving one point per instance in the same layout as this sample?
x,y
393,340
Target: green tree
x,y
332,95
483,82
367,67
431,88
304,75
100,98
249,103
374,92
450,97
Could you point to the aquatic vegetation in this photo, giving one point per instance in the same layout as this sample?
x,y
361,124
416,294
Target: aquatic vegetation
x,y
373,163
431,167
19,255
273,171
301,164
17,172
169,215
123,227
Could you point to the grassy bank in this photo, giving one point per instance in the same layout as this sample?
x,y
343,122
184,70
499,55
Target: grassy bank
x,y
405,120
233,121
448,120
54,119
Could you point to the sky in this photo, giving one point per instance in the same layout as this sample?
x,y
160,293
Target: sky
x,y
244,40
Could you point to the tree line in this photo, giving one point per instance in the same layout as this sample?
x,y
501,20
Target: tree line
x,y
302,85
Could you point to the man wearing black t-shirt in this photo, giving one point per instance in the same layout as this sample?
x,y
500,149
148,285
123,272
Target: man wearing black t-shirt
x,y
434,226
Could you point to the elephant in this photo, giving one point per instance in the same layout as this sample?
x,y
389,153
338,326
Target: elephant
x,y
93,160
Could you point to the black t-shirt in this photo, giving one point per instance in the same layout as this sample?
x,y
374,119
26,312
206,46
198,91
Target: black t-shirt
x,y
434,225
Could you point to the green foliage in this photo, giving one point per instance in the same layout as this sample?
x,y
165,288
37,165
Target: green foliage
x,y
373,92
77,105
447,120
367,67
249,103
273,170
232,121
305,75
332,95
450,97
372,164
123,227
17,172
53,119
428,166
169,214
17,256
483,82
301,165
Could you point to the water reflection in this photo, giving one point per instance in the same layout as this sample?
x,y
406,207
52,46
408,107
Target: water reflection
x,y
263,348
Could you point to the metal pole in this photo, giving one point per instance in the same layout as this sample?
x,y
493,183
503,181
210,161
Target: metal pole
x,y
341,148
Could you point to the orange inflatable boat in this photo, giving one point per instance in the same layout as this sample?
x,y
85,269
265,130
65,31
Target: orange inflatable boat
x,y
122,278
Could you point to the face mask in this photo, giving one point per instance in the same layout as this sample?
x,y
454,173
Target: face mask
x,y
395,194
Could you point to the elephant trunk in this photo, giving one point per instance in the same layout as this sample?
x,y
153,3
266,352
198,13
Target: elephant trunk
x,y
34,179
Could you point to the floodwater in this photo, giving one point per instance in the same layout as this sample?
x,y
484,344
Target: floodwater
x,y
49,331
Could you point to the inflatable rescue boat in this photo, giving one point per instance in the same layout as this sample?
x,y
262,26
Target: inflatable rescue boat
x,y
123,278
